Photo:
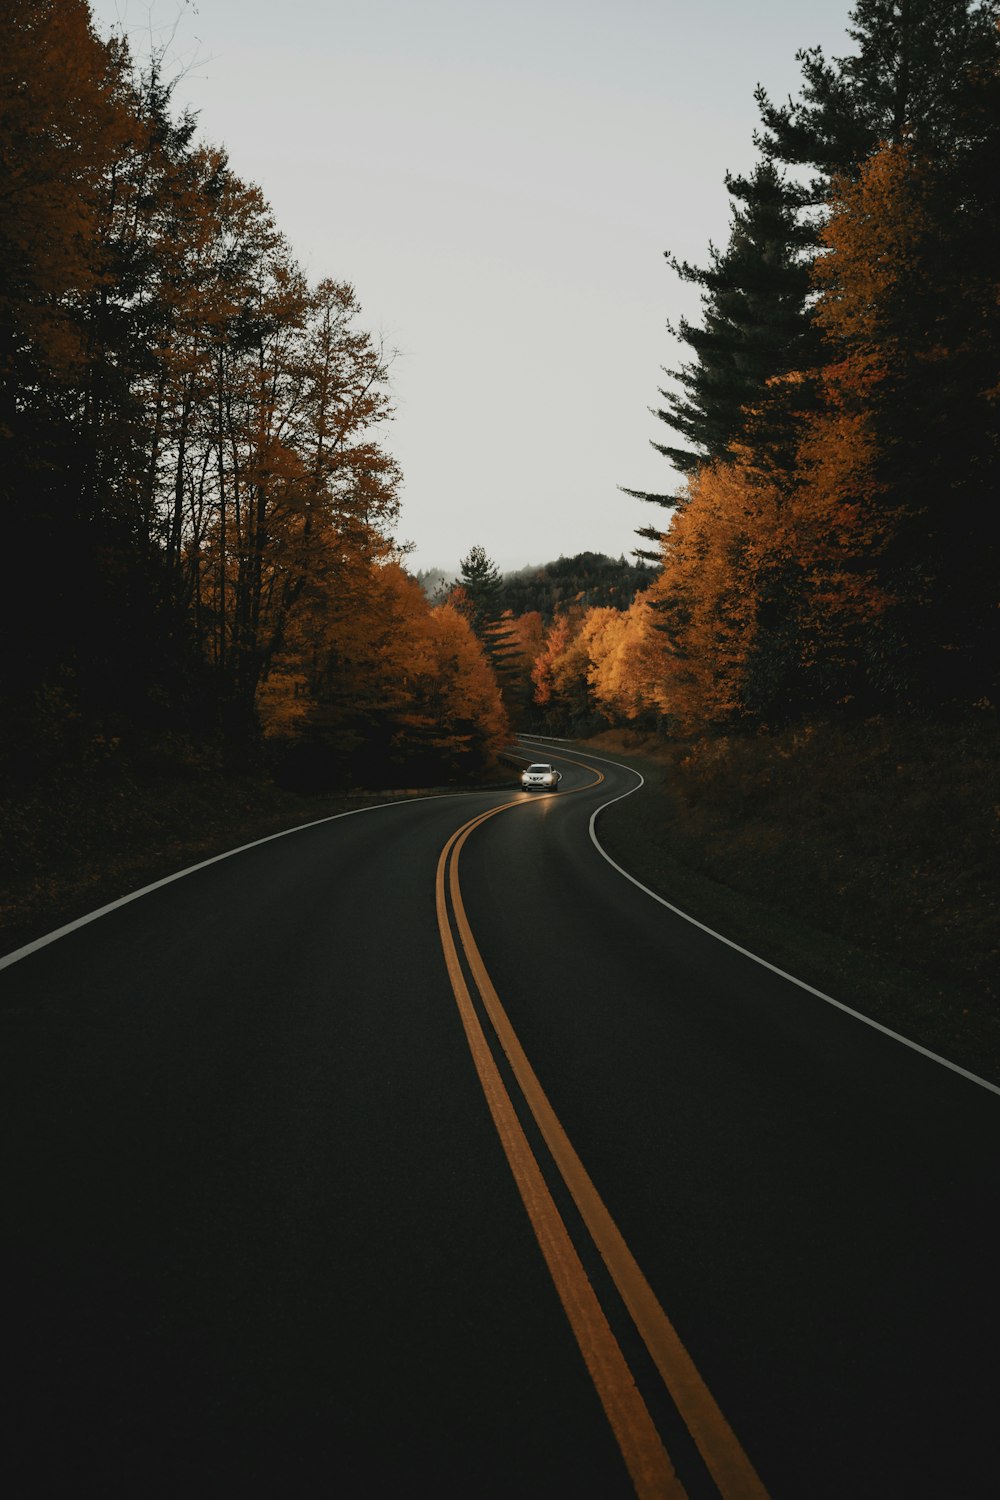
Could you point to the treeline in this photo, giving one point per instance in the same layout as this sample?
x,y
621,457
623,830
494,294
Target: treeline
x,y
587,579
832,551
195,490
511,613
551,588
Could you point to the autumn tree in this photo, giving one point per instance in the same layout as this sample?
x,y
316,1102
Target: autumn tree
x,y
463,704
59,137
263,465
909,307
191,431
525,634
560,674
387,690
110,639
628,671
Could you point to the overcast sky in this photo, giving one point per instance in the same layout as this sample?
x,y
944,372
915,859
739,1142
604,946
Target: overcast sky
x,y
499,185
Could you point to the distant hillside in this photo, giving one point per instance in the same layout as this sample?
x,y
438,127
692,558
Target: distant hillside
x,y
589,578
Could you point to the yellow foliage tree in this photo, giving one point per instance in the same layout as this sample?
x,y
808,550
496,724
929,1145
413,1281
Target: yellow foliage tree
x,y
627,670
706,598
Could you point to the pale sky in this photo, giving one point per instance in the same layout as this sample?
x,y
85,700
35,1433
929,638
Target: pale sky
x,y
499,185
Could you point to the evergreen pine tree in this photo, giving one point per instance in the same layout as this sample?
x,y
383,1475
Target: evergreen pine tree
x,y
755,328
898,85
481,584
480,578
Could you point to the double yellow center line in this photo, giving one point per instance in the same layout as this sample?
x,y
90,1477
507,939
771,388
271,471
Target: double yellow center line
x,y
653,1475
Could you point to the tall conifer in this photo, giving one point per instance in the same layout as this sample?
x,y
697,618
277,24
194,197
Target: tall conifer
x,y
479,588
754,329
899,85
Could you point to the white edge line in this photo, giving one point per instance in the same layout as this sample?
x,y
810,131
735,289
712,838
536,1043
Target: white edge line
x,y
102,911
782,973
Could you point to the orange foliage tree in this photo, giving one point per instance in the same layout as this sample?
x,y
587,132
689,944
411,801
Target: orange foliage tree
x,y
560,673
899,469
380,688
66,121
63,125
627,671
722,542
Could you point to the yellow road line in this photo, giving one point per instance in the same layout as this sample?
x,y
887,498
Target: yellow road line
x,y
583,767
724,1456
648,1463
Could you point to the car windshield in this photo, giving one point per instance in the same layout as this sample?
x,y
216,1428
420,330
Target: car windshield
x,y
539,768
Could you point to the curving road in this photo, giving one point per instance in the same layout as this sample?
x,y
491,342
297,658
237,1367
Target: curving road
x,y
420,1150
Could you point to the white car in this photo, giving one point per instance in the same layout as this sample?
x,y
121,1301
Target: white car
x,y
543,777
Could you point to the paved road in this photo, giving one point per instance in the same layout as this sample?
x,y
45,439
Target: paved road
x,y
283,1216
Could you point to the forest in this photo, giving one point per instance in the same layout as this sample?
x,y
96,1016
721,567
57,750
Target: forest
x,y
194,455
197,474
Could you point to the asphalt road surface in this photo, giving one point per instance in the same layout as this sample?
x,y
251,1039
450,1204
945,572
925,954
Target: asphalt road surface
x,y
421,1152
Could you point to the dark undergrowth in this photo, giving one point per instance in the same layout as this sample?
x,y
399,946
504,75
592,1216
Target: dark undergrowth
x,y
864,859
